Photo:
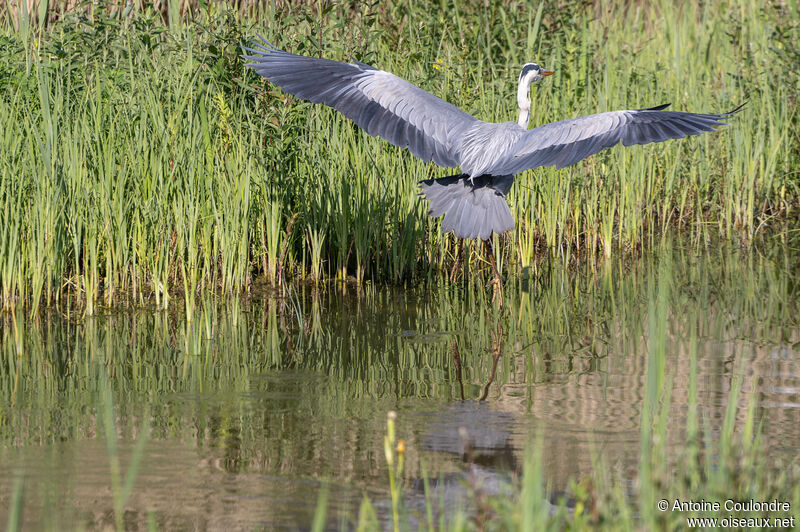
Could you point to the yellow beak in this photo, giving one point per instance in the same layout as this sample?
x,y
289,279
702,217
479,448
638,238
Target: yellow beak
x,y
547,73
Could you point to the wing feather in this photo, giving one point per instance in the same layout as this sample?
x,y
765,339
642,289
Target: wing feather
x,y
566,142
381,103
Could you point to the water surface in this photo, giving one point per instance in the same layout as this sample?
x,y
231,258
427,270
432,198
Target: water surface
x,y
252,408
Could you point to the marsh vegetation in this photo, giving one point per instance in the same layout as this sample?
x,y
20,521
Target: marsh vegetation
x,y
213,293
142,161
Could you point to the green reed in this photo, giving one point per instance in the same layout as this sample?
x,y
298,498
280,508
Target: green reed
x,y
141,160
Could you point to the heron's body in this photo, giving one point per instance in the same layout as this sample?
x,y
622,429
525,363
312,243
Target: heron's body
x,y
489,154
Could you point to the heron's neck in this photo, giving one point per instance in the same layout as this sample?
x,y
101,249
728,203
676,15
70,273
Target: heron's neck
x,y
524,103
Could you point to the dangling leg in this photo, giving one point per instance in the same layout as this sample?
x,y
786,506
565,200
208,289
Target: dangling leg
x,y
457,265
497,283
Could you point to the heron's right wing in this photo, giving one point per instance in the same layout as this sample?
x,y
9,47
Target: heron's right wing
x,y
381,103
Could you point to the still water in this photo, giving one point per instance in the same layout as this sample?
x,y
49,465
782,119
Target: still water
x,y
242,416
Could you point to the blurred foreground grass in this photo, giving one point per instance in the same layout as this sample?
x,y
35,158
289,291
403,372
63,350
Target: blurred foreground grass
x,y
141,160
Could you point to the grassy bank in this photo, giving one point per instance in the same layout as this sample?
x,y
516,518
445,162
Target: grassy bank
x,y
140,160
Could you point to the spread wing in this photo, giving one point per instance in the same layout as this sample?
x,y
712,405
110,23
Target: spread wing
x,y
381,103
566,142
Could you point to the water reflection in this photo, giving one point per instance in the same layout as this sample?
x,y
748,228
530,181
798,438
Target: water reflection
x,y
258,403
496,352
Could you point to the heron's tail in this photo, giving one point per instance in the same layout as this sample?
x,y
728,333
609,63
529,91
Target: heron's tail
x,y
471,209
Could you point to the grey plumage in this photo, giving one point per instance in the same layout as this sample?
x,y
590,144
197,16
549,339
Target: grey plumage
x,y
370,98
489,154
472,207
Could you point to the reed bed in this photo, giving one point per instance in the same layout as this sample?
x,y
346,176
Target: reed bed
x,y
141,161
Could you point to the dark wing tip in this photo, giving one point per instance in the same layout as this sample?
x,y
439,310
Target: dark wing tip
x,y
731,113
269,46
657,107
257,49
261,48
721,115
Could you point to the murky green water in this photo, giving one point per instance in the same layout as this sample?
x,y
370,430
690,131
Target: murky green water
x,y
253,407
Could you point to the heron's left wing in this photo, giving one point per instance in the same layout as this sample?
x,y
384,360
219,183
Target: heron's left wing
x,y
566,142
381,103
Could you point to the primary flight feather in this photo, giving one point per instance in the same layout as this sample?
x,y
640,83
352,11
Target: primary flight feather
x,y
489,154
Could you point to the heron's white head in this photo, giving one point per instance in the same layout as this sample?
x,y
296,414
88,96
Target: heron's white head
x,y
531,72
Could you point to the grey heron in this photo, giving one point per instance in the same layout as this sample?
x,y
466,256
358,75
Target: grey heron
x,y
473,202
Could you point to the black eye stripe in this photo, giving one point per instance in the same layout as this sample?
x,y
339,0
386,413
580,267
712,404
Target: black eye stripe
x,y
528,68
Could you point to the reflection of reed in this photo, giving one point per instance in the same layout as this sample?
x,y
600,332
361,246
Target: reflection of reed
x,y
611,399
457,365
298,386
497,339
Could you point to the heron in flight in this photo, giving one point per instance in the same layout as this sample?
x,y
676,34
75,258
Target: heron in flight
x,y
472,202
